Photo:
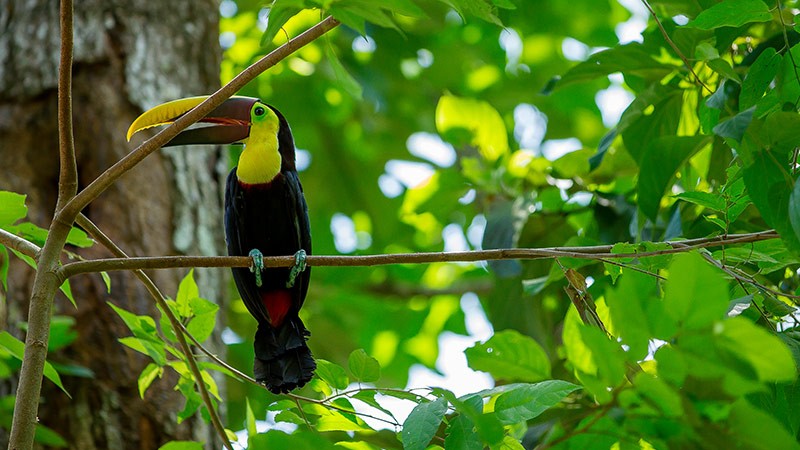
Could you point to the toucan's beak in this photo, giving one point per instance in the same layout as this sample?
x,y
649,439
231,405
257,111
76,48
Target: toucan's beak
x,y
230,121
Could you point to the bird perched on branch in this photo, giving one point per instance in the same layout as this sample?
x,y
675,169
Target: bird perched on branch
x,y
265,214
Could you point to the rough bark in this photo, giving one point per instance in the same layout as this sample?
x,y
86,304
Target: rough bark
x,y
129,56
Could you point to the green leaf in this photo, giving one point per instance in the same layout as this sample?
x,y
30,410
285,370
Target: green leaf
x,y
4,267
754,428
422,423
363,367
794,208
205,318
343,77
661,160
731,13
606,354
771,187
250,419
154,350
633,59
710,200
299,440
79,238
637,313
461,434
333,420
573,164
147,376
735,126
508,443
12,208
47,436
528,401
332,374
17,349
758,79
279,13
182,445
765,352
480,119
696,293
187,290
659,393
724,68
509,355
67,290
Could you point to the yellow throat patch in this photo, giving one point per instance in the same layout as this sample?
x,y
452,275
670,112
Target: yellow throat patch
x,y
260,161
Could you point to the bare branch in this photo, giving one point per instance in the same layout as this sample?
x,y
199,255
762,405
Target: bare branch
x,y
68,177
101,183
167,262
19,244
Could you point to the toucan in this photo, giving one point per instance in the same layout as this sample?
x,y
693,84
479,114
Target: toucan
x,y
265,214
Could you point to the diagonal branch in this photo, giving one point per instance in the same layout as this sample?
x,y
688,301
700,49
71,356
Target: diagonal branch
x,y
102,182
177,326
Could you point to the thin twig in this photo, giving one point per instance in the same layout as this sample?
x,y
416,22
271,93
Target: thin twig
x,y
675,47
177,327
102,182
169,262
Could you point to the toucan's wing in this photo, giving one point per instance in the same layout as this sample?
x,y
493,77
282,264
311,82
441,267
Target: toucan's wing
x,y
296,203
237,246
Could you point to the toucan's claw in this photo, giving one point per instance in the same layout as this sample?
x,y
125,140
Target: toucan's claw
x,y
298,268
258,264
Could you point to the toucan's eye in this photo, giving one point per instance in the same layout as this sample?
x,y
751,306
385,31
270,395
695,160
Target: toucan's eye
x,y
259,110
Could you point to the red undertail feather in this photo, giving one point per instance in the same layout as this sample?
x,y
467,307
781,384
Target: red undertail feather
x,y
277,304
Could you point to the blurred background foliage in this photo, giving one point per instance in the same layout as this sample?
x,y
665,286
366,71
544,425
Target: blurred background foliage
x,y
446,133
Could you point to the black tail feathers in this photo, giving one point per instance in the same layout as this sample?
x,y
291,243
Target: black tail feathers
x,y
283,361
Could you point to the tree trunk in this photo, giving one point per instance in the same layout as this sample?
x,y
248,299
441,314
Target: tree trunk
x,y
129,56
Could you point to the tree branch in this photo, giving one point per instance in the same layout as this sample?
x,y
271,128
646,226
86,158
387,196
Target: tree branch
x,y
102,182
177,326
675,47
596,253
68,176
26,405
19,244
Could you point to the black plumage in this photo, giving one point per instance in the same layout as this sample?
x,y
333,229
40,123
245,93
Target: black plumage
x,y
273,218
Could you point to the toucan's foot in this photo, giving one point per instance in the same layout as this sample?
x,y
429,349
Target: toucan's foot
x,y
258,264
298,268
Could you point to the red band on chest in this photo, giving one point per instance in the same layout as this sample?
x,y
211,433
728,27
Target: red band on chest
x,y
277,304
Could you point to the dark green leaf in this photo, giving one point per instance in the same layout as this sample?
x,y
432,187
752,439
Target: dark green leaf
x,y
735,126
527,402
422,423
631,58
661,394
661,160
711,200
771,187
732,13
509,355
761,74
794,208
461,435
724,68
